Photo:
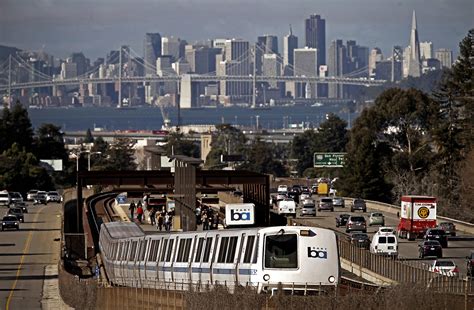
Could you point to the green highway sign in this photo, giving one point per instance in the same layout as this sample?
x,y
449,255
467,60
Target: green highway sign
x,y
329,160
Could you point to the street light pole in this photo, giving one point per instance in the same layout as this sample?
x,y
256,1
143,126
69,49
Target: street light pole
x,y
89,159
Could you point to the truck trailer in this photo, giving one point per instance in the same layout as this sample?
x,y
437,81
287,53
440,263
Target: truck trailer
x,y
417,214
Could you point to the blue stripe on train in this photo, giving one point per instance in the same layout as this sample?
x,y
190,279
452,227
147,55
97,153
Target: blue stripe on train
x,y
196,270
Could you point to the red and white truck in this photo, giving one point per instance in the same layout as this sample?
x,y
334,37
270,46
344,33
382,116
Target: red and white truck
x,y
417,214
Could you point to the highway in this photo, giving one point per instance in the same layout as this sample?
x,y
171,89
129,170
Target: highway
x,y
457,250
26,253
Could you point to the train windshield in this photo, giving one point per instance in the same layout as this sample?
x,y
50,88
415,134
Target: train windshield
x,y
281,251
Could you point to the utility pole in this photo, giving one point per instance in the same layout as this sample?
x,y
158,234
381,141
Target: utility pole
x,y
254,76
119,105
9,80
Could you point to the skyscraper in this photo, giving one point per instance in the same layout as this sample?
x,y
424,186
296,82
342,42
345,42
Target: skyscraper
x,y
414,64
151,51
426,50
374,57
171,46
397,63
290,43
305,65
337,61
445,57
315,37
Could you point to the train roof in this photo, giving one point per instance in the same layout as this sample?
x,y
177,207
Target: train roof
x,y
119,230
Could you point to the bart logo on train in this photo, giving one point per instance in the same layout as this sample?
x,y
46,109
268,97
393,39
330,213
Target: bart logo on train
x,y
239,216
314,252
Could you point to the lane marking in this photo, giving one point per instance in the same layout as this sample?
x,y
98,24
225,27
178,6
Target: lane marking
x,y
18,271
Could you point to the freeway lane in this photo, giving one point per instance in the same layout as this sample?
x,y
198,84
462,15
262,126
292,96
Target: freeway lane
x,y
24,254
457,250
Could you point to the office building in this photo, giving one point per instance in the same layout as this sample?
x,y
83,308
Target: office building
x,y
290,43
151,51
271,67
375,56
337,60
426,50
81,62
305,65
315,37
445,57
397,64
171,46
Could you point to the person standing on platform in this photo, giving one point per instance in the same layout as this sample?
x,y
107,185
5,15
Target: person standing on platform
x,y
132,209
140,213
160,221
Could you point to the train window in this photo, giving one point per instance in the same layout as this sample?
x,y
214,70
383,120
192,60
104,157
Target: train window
x,y
119,252
187,249
170,250
125,251
223,250
133,251
281,251
163,250
143,250
199,250
231,249
255,252
153,254
248,249
207,250
182,243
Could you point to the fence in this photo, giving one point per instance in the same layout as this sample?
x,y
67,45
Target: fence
x,y
401,271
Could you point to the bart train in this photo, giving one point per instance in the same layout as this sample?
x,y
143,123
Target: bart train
x,y
300,258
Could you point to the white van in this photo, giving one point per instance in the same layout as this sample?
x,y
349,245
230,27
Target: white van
x,y
4,198
286,207
384,244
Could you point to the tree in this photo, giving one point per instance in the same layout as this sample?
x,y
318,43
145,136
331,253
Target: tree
x,y
120,155
225,140
177,144
16,127
260,158
333,134
89,137
49,143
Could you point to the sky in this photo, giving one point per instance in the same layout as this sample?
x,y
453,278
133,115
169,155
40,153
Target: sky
x,y
95,27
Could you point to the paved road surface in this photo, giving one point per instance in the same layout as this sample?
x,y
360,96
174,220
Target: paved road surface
x,y
457,250
25,254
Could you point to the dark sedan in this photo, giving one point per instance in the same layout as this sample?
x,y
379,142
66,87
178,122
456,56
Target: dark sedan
x,y
360,240
21,205
430,248
10,221
438,235
341,220
18,212
358,204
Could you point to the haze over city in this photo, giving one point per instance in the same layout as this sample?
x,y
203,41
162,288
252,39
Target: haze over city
x,y
96,26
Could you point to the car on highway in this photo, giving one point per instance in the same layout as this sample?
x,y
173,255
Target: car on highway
x,y
385,230
282,189
342,219
15,197
308,208
358,204
437,234
305,195
338,202
294,194
30,196
21,205
40,198
430,248
360,240
470,264
5,198
18,212
53,196
384,244
356,223
376,218
325,204
444,267
10,221
449,228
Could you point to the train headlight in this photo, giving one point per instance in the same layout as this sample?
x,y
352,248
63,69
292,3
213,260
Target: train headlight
x,y
266,277
331,279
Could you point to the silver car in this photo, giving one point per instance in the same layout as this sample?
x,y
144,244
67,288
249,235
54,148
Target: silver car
x,y
356,223
325,204
376,218
308,208
338,202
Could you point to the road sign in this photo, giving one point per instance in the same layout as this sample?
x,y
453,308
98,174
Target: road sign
x,y
329,160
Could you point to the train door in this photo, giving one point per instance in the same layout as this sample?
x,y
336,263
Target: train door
x,y
246,267
207,257
196,258
123,261
143,243
224,264
132,274
151,262
181,261
168,260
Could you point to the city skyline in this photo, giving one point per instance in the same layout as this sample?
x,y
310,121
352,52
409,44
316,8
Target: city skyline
x,y
373,23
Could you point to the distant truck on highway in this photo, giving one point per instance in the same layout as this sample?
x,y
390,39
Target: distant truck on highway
x,y
417,214
323,189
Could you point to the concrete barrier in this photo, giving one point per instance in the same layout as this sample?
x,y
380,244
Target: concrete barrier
x,y
365,273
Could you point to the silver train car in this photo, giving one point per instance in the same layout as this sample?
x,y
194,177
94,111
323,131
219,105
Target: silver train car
x,y
300,258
